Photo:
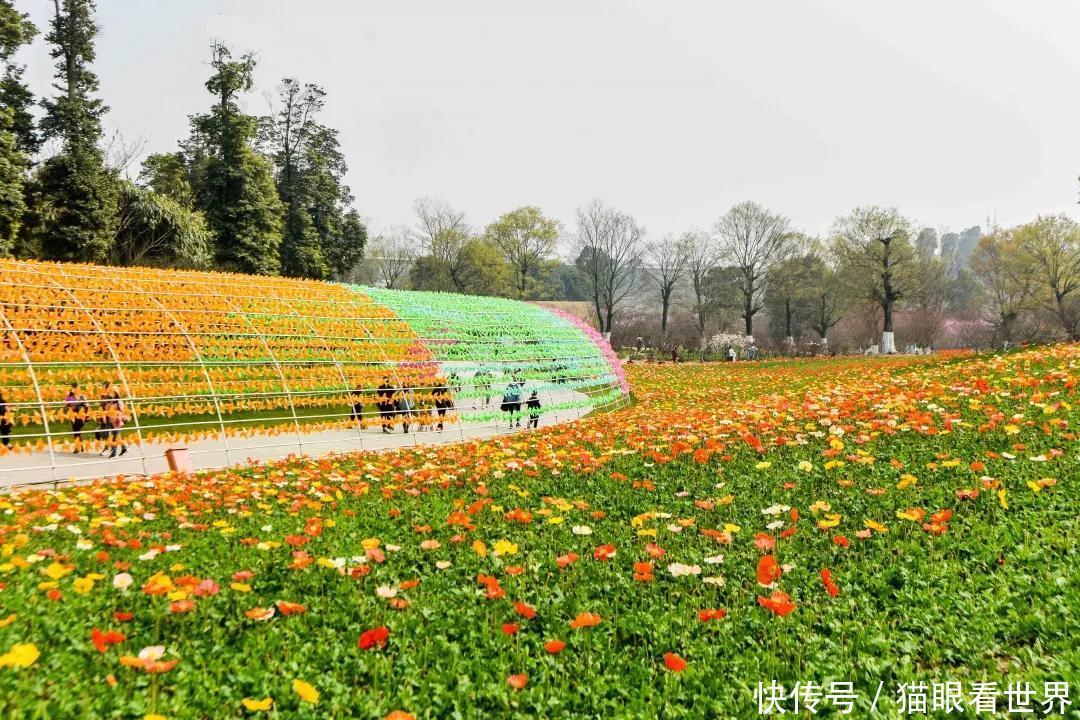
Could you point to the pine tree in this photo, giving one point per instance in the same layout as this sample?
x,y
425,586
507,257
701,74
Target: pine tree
x,y
234,185
18,139
77,194
322,236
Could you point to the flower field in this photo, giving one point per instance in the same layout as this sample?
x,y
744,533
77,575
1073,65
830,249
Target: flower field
x,y
866,520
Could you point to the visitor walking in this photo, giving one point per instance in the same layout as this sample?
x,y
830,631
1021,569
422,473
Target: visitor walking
x,y
511,402
406,403
78,406
384,401
443,402
533,404
357,413
114,416
482,384
5,422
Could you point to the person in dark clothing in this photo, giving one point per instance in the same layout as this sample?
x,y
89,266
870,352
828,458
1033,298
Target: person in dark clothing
x,y
384,400
443,402
405,405
78,406
357,394
5,422
113,418
511,402
533,403
674,354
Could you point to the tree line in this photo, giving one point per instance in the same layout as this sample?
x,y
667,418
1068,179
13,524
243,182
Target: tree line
x,y
1016,284
245,193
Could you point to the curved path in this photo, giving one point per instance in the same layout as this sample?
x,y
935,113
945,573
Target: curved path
x,y
32,469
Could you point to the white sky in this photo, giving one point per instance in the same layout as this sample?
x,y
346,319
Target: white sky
x,y
672,110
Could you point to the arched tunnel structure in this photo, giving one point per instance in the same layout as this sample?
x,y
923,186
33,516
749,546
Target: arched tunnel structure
x,y
102,369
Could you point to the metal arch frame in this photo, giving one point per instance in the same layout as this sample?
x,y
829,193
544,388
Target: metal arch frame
x,y
277,366
202,366
490,326
37,390
119,369
337,363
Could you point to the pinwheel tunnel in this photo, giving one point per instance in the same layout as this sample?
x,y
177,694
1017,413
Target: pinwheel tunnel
x,y
104,369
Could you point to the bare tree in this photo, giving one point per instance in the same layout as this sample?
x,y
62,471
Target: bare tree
x,y
440,229
753,239
120,153
608,245
826,291
702,257
442,233
665,266
391,256
873,243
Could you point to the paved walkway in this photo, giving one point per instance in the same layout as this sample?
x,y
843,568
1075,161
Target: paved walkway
x,y
33,468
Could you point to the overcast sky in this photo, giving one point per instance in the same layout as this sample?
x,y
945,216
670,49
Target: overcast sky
x,y
673,110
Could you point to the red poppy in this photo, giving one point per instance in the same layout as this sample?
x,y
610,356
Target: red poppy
x,y
374,638
102,640
604,552
643,571
524,610
518,682
655,550
674,663
827,581
554,646
510,628
565,560
122,616
584,620
182,606
712,614
778,602
841,541
290,608
768,570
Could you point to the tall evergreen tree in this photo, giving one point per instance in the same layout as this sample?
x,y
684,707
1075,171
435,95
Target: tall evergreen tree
x,y
321,236
17,137
76,194
234,185
16,30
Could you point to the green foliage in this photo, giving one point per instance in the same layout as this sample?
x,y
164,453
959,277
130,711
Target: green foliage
x,y
12,177
74,208
235,185
154,229
478,270
168,174
322,236
525,238
16,30
76,194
